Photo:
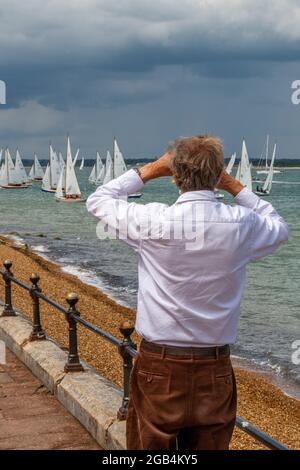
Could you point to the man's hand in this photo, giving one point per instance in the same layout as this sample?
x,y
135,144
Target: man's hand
x,y
229,184
160,167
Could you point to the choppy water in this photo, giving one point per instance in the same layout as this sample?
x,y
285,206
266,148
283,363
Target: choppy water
x,y
270,313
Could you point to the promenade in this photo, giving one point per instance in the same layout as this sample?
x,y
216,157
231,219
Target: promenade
x,y
32,418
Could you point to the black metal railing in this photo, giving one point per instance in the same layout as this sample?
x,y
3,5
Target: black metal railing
x,y
126,347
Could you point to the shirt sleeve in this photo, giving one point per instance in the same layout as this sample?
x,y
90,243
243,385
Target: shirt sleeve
x,y
117,217
268,229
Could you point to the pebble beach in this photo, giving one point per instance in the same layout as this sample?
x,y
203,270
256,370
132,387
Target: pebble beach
x,y
259,401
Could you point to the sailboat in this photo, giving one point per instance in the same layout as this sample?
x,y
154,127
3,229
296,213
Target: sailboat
x,y
81,164
98,171
116,166
36,172
67,188
228,170
10,176
265,171
20,169
52,173
266,188
243,173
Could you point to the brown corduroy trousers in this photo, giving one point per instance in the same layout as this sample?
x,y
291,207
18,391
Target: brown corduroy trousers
x,y
181,402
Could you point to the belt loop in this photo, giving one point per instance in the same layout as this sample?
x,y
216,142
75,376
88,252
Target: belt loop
x,y
163,352
217,352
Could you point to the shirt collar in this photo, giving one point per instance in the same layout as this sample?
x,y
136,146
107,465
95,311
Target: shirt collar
x,y
202,195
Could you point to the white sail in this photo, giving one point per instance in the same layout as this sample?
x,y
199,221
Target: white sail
x,y
61,161
99,165
101,176
100,170
76,157
119,165
81,164
231,163
92,177
59,193
19,168
31,172
71,186
3,176
244,169
4,170
38,170
269,180
262,169
267,151
108,169
55,168
12,174
46,183
1,153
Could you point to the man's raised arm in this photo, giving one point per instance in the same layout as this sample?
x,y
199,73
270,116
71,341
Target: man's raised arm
x,y
110,206
268,229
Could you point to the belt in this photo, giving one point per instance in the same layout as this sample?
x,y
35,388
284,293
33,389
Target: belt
x,y
214,351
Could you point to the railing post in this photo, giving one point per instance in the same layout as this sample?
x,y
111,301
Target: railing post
x,y
126,328
37,331
73,363
8,310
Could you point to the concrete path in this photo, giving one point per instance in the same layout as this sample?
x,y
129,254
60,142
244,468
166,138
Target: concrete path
x,y
32,418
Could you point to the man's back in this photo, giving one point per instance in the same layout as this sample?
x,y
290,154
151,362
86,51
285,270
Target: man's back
x,y
191,276
192,261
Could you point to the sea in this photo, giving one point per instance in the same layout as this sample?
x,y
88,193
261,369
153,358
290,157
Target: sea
x,y
269,332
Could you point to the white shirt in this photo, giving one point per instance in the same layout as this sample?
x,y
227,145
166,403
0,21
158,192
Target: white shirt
x,y
189,291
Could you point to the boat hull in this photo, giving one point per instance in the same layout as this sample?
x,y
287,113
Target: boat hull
x,y
135,196
62,199
15,186
48,190
265,172
260,193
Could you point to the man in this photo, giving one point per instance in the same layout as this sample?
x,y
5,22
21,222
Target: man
x,y
192,258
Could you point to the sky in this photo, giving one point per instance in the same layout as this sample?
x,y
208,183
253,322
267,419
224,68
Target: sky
x,y
148,72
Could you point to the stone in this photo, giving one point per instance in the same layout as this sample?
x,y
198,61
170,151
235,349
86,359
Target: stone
x,y
47,361
93,400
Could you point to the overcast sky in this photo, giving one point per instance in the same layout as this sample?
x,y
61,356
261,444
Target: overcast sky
x,y
147,72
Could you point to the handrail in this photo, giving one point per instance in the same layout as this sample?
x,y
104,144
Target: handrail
x,y
126,347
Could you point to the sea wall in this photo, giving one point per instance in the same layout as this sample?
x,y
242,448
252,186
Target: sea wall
x,y
88,396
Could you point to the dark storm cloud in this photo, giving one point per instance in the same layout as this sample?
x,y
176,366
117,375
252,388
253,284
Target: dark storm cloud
x,y
54,51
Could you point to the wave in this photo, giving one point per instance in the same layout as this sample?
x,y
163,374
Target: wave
x,y
17,239
274,373
89,277
40,249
